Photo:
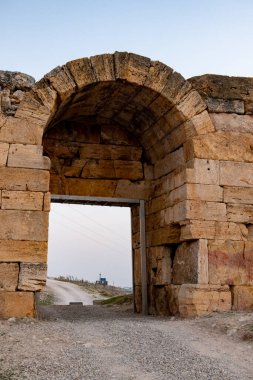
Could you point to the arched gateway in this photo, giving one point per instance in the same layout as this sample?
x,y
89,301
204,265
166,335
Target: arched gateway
x,y
124,127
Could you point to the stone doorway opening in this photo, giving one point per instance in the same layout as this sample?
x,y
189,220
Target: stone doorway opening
x,y
136,262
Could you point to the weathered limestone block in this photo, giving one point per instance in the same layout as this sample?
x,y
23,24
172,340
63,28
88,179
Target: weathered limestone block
x,y
112,169
20,131
193,209
24,251
225,105
198,125
33,110
32,277
82,71
158,75
230,262
202,171
4,148
23,225
137,299
198,229
221,146
197,300
172,296
17,304
190,264
169,163
191,105
160,264
155,221
132,67
133,190
100,188
242,297
24,179
166,235
110,152
157,204
194,191
250,232
47,95
238,195
232,122
22,200
62,81
9,276
176,88
236,174
136,240
221,86
74,170
47,201
103,66
27,156
240,213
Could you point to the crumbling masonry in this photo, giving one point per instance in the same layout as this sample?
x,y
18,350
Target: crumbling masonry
x,y
124,126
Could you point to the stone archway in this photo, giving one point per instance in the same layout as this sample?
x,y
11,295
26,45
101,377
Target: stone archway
x,y
120,125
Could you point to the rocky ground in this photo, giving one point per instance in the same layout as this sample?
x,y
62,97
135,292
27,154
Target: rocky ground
x,y
101,342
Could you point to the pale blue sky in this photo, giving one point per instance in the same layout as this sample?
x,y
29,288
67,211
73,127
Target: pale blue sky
x,y
194,37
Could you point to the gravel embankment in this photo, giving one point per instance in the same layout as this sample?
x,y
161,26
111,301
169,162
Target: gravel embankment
x,y
90,343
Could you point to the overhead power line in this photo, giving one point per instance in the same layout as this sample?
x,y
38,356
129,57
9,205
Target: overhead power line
x,y
99,224
66,218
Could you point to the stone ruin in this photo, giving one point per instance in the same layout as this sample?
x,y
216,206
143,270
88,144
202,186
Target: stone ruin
x,y
120,125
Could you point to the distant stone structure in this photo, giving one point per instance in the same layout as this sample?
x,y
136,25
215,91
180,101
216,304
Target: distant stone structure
x,y
120,125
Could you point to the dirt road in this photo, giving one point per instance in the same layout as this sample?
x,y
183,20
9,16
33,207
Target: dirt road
x,y
95,342
65,292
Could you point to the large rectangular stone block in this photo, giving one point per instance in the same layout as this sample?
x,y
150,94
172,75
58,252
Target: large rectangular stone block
x,y
24,179
22,200
193,209
236,174
32,277
9,276
202,171
20,131
4,148
197,229
160,265
225,105
112,169
191,105
23,251
23,225
242,297
27,156
110,152
238,195
232,122
190,264
230,262
221,146
240,213
169,163
196,191
17,304
165,235
197,300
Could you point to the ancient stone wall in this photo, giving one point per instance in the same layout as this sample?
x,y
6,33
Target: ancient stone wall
x,y
123,126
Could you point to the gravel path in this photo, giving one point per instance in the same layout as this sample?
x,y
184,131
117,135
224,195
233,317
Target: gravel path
x,y
95,342
65,292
